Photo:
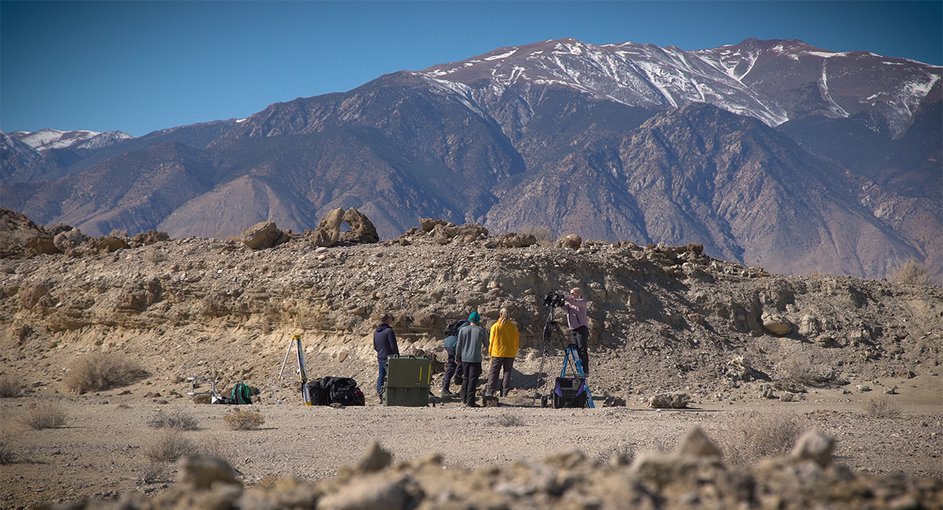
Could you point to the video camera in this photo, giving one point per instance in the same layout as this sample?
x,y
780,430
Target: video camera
x,y
553,300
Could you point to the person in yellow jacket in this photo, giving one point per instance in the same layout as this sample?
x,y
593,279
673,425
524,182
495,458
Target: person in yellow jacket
x,y
503,345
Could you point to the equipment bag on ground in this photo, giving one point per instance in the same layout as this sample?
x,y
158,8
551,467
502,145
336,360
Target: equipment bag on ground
x,y
569,392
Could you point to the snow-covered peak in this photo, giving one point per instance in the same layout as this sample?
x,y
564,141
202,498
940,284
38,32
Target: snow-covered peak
x,y
46,139
771,80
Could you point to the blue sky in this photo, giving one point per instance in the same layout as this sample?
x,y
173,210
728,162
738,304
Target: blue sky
x,y
139,66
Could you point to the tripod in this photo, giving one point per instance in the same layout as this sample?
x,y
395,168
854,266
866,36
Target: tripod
x,y
570,358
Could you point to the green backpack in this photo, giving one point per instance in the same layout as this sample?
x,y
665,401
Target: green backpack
x,y
241,394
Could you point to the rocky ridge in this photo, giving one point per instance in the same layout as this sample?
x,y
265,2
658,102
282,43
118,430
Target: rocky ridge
x,y
662,318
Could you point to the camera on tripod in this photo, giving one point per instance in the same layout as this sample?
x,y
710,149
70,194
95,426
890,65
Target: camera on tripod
x,y
553,300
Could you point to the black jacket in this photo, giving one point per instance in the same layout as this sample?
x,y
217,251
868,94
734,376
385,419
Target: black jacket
x,y
384,342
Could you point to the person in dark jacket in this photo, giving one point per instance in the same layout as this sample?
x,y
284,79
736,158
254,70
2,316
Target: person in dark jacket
x,y
384,342
452,369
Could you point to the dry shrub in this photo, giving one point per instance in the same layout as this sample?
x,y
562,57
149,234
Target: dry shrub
x,y
178,420
6,454
239,419
800,369
155,472
100,371
9,387
623,453
913,272
882,408
170,446
508,420
45,417
757,436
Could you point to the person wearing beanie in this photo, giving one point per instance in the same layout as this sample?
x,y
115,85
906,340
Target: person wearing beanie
x,y
504,343
471,339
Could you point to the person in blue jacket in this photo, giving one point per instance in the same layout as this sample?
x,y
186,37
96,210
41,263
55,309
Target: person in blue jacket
x,y
384,342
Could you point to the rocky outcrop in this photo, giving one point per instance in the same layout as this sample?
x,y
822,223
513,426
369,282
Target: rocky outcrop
x,y
669,401
263,235
329,233
693,476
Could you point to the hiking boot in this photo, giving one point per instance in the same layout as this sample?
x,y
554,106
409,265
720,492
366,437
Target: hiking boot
x,y
472,404
446,393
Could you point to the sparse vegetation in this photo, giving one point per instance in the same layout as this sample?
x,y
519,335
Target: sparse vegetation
x,y
239,419
6,454
623,453
154,472
508,420
178,420
45,417
802,370
100,371
881,408
913,272
747,440
170,446
9,387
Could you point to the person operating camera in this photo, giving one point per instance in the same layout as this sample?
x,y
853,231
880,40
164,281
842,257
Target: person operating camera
x,y
578,323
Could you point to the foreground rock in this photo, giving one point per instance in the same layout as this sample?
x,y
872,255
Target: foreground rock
x,y
694,476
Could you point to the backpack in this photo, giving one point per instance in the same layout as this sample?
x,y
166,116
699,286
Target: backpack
x,y
344,391
452,329
241,394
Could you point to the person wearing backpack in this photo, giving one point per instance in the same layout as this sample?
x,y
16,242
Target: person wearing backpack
x,y
384,342
505,340
471,339
452,369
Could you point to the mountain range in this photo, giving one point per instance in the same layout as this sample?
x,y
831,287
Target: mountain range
x,y
772,153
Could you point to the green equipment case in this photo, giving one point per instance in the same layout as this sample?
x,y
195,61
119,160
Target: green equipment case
x,y
408,379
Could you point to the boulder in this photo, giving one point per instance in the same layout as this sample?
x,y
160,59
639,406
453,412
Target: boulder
x,y
263,235
670,401
571,241
809,326
41,245
776,324
109,244
362,229
429,224
148,238
69,240
512,240
613,401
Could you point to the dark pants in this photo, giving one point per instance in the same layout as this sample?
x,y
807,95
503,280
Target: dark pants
x,y
381,377
452,369
580,337
470,373
496,365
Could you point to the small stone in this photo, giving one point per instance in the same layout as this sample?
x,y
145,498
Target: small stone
x,y
375,459
814,446
697,444
200,472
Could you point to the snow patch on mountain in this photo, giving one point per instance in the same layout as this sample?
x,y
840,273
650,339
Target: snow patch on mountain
x,y
46,139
